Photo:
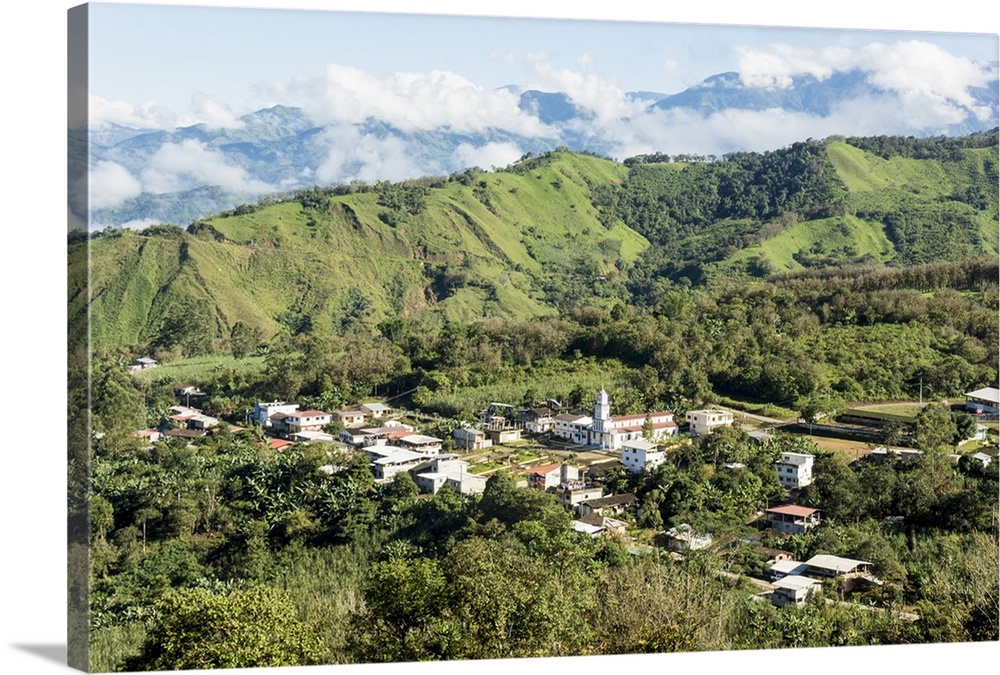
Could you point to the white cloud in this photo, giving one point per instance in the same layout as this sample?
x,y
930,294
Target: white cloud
x,y
110,184
356,156
775,66
487,156
602,96
412,101
181,166
214,114
144,116
932,85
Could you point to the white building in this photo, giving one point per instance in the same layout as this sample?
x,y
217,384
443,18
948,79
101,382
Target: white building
x,y
609,432
376,410
795,469
307,420
468,438
427,445
573,427
448,470
704,422
794,590
985,400
387,465
640,454
262,411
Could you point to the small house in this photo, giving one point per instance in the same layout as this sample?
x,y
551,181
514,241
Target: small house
x,y
611,504
704,422
795,469
639,455
794,590
501,436
351,418
468,438
427,445
142,363
375,410
545,476
792,519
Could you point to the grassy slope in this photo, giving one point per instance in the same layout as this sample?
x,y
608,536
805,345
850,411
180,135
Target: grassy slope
x,y
877,184
285,258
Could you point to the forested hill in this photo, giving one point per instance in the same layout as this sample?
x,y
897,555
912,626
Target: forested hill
x,y
546,234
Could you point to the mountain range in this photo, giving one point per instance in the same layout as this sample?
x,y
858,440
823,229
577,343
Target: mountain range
x,y
549,232
181,175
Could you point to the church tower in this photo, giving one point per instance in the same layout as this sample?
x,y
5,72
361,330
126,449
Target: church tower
x,y
602,415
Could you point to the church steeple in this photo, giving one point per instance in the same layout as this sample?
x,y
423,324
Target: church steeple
x,y
602,411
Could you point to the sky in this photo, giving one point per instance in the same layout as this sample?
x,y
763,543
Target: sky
x,y
165,66
169,65
33,51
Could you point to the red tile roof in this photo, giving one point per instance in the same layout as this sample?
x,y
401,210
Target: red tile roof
x,y
793,510
543,469
624,418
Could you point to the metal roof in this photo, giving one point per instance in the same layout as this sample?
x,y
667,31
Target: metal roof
x,y
991,394
795,583
833,562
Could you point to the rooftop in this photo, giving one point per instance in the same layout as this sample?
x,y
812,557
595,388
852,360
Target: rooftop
x,y
419,439
793,510
836,563
611,500
991,394
795,583
543,469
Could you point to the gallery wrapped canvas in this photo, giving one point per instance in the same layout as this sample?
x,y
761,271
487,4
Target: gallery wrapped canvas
x,y
404,337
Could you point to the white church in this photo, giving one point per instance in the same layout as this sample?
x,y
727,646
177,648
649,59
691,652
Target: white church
x,y
608,433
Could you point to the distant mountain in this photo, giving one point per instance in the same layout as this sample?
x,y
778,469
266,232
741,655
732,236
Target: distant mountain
x,y
537,237
198,170
807,94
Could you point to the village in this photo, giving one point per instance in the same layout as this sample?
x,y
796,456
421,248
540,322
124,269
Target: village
x,y
568,453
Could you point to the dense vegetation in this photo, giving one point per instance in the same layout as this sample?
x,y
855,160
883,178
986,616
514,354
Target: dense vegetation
x,y
794,281
343,569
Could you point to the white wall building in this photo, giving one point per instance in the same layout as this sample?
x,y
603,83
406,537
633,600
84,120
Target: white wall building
x,y
573,427
448,470
262,411
307,420
609,432
427,445
795,469
468,438
641,454
704,422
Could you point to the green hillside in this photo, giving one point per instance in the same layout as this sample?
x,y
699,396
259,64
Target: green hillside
x,y
480,244
546,234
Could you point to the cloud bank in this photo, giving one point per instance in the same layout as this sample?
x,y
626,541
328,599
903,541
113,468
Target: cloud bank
x,y
409,124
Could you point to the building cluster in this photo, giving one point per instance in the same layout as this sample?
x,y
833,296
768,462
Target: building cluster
x,y
594,513
796,582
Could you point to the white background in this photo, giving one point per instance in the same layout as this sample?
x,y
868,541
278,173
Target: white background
x,y
33,331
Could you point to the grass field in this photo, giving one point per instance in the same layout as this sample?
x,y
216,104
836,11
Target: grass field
x,y
200,369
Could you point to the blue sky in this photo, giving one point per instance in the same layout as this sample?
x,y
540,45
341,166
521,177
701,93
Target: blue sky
x,y
164,66
184,62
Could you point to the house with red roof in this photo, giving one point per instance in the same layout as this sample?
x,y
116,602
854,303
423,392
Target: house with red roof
x,y
792,518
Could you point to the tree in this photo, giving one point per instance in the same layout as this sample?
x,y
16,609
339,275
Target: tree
x,y
198,629
647,428
244,339
935,428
